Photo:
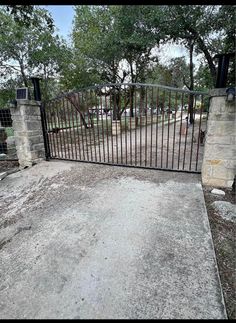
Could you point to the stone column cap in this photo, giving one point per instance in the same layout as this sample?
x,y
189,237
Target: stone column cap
x,y
28,102
218,92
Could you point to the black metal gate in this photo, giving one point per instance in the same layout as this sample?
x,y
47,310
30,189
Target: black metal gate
x,y
133,124
7,139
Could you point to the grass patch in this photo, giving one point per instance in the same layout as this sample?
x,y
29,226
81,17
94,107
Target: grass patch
x,y
9,131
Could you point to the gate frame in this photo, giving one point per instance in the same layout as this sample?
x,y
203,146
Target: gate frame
x,y
114,85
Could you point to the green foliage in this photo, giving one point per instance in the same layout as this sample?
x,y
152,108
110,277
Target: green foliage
x,y
203,79
111,36
25,52
7,93
175,74
112,44
93,36
77,72
27,15
210,28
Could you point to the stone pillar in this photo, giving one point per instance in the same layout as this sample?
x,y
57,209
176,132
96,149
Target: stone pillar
x,y
133,123
219,160
28,132
116,127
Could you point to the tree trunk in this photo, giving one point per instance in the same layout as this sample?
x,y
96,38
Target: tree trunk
x,y
76,105
115,97
131,92
205,51
23,74
132,101
142,98
191,87
118,107
113,100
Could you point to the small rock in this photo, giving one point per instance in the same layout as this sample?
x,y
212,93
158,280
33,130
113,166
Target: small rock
x,y
3,175
22,228
217,192
3,156
226,210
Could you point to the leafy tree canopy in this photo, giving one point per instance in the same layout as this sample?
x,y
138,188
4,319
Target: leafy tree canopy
x,y
27,15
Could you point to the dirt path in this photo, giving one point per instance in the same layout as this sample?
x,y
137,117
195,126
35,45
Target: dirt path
x,y
158,145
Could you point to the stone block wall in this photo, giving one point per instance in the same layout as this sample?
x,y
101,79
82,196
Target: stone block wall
x,y
28,132
219,160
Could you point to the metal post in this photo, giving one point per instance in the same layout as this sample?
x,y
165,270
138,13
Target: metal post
x,y
37,92
223,65
37,97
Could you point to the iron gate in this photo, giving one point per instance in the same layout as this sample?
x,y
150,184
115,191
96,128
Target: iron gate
x,y
7,138
133,124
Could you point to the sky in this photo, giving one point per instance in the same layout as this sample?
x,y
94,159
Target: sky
x,y
62,16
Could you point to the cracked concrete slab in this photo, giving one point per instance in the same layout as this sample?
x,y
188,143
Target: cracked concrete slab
x,y
106,242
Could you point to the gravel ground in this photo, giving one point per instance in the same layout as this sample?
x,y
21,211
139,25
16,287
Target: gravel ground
x,y
8,165
224,233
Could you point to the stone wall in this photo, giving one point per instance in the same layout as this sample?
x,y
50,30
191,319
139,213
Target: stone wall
x,y
28,132
219,160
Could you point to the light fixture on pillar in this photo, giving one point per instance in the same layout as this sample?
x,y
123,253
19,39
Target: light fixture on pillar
x,y
230,94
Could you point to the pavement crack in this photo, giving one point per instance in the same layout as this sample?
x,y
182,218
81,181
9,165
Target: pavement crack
x,y
8,239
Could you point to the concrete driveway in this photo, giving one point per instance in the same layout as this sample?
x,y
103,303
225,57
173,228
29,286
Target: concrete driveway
x,y
90,241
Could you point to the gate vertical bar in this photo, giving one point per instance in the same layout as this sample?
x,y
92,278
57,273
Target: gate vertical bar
x,y
180,131
193,126
94,139
162,129
200,122
81,127
130,119
120,117
173,149
77,137
87,106
186,132
106,107
74,133
146,113
157,120
68,128
141,124
126,98
61,137
151,127
168,131
103,144
49,122
65,130
112,112
136,125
